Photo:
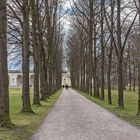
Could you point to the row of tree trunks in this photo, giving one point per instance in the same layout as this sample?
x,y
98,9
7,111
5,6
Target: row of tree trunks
x,y
38,33
107,59
45,70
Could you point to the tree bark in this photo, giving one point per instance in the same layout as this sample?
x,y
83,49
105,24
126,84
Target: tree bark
x,y
120,82
138,111
129,67
102,49
4,91
36,98
43,78
138,63
26,106
134,75
120,57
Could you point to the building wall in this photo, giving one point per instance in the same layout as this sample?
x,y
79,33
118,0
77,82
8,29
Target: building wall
x,y
15,79
66,79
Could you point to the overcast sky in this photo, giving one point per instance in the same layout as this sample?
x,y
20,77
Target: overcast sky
x,y
16,64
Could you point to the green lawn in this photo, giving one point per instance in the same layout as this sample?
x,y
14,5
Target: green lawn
x,y
128,114
26,124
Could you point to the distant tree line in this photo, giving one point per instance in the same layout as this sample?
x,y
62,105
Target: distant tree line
x,y
103,47
32,30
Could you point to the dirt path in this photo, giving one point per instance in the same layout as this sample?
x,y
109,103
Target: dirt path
x,y
76,118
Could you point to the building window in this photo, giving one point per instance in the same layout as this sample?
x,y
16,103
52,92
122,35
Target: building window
x,y
19,80
13,81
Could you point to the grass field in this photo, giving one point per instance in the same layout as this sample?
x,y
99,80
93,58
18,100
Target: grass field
x,y
26,124
128,114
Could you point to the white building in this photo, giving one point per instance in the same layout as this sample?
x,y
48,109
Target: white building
x,y
66,80
15,78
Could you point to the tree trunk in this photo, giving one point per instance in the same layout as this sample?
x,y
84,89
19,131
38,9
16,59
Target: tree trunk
x,y
109,81
129,67
120,82
125,75
119,57
102,50
94,68
26,106
138,65
4,91
138,111
43,79
36,99
134,75
110,53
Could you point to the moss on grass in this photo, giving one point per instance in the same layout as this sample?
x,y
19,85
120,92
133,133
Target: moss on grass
x,y
26,124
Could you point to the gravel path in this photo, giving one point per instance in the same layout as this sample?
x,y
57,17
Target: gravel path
x,y
76,118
